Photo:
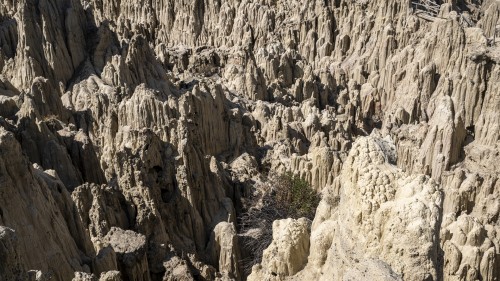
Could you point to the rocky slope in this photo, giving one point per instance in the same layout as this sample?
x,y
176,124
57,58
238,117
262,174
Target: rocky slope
x,y
131,130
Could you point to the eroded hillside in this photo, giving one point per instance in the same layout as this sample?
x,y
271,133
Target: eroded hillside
x,y
131,130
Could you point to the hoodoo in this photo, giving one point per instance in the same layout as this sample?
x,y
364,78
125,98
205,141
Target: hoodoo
x,y
249,140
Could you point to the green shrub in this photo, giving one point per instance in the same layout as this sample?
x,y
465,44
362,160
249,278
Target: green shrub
x,y
296,196
280,197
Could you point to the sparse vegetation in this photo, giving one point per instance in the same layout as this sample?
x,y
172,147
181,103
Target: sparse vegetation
x,y
280,197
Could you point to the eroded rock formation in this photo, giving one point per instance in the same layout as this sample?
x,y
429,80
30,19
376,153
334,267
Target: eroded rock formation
x,y
131,131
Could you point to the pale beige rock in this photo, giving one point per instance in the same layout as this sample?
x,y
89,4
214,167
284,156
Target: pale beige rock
x,y
224,244
177,270
385,224
158,116
54,244
287,253
110,276
82,276
130,248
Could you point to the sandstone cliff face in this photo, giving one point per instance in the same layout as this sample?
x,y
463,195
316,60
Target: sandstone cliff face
x,y
131,130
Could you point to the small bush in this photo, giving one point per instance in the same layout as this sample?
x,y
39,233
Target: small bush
x,y
281,197
296,196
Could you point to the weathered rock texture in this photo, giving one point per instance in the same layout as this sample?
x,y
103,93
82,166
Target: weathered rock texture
x,y
131,130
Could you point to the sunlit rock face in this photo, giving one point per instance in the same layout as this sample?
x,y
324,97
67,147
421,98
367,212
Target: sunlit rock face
x,y
132,131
